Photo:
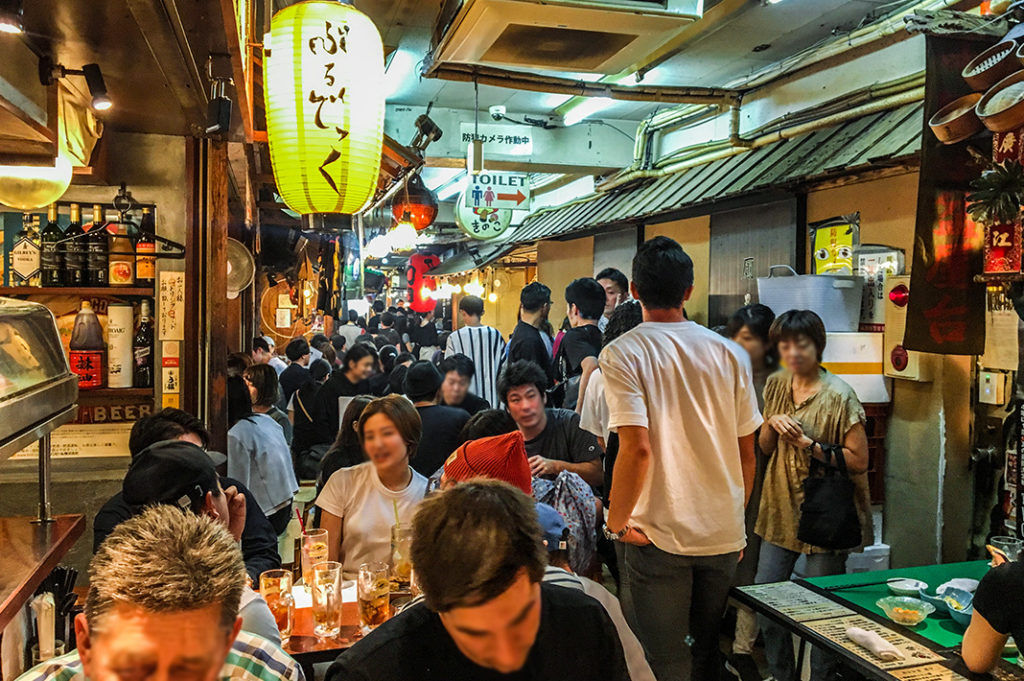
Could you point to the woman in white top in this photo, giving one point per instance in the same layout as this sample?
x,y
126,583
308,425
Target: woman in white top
x,y
259,457
360,503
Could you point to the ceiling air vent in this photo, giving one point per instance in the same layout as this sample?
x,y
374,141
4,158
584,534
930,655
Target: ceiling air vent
x,y
558,35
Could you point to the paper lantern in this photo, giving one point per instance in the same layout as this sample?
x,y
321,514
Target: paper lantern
x,y
325,106
417,204
30,187
419,265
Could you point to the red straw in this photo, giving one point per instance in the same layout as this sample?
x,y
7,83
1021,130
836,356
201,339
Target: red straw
x,y
302,525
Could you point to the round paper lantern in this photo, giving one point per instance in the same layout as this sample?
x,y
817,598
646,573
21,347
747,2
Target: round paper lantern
x,y
419,265
325,106
417,204
30,187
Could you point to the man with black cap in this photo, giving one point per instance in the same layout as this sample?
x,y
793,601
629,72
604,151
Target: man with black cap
x,y
178,473
527,343
441,424
258,539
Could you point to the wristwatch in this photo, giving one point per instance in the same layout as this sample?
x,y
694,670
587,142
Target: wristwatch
x,y
614,536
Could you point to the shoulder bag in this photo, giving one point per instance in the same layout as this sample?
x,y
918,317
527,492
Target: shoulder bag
x,y
828,515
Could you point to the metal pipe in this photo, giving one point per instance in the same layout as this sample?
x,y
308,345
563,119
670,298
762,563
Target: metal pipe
x,y
361,235
884,104
44,480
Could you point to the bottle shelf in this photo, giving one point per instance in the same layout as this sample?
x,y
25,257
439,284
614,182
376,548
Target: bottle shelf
x,y
80,291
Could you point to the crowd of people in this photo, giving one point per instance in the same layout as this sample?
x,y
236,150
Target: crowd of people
x,y
635,447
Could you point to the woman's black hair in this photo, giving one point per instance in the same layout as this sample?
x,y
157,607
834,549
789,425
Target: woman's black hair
x,y
357,353
625,317
796,324
239,402
758,319
264,378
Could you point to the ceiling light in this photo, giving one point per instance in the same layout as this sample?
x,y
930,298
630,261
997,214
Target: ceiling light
x,y
586,109
11,13
399,73
49,71
452,187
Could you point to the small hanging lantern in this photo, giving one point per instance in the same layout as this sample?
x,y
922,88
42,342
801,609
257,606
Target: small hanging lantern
x,y
418,202
324,65
422,288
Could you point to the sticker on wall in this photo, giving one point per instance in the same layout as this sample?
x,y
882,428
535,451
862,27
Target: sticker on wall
x,y
171,306
171,382
833,242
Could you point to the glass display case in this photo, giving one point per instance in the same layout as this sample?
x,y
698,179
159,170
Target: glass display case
x,y
38,392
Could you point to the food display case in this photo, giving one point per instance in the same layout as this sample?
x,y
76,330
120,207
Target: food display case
x,y
38,392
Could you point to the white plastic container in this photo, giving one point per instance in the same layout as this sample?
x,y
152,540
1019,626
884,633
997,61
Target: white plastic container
x,y
120,325
872,559
835,298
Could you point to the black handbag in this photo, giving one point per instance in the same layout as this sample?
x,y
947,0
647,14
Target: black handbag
x,y
828,516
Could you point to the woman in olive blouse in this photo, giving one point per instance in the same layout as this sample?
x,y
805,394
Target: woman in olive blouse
x,y
804,406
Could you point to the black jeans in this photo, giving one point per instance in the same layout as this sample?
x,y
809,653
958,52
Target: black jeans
x,y
666,597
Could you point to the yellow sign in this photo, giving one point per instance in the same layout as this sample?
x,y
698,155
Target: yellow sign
x,y
834,242
324,66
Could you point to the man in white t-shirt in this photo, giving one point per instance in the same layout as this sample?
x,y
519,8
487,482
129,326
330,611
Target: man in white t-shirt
x,y
681,399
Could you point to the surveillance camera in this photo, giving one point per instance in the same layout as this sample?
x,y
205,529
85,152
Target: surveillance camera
x,y
497,112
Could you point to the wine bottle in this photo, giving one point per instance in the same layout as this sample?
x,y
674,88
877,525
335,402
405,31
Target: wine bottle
x,y
25,256
74,251
142,348
145,250
96,247
51,257
87,349
121,261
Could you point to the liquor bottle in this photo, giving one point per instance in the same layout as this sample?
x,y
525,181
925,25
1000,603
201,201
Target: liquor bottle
x,y
87,350
96,247
24,256
120,360
121,261
74,251
50,256
142,348
145,250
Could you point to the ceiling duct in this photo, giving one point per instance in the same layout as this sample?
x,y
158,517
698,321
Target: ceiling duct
x,y
583,36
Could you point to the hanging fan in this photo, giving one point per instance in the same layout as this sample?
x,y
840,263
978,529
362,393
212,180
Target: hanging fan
x,y
241,268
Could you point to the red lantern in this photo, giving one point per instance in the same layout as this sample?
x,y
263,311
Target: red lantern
x,y
419,202
419,285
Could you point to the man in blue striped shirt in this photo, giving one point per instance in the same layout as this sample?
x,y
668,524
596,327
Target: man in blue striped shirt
x,y
164,592
482,344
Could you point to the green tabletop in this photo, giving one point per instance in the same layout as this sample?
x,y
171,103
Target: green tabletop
x,y
939,629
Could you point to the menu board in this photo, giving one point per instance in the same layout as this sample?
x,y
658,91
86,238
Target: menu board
x,y
913,653
796,602
929,672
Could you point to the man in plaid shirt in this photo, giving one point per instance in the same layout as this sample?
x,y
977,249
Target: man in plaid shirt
x,y
163,603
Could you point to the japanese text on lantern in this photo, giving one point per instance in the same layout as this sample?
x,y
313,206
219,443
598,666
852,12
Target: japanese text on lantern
x,y
326,91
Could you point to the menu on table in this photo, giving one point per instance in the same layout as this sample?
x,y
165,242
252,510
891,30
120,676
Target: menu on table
x,y
796,602
928,672
913,653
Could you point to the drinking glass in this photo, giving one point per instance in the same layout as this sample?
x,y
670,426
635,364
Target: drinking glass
x,y
326,587
314,550
401,556
373,590
276,589
1011,546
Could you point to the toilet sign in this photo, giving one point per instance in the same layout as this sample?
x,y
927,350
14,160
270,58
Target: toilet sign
x,y
498,190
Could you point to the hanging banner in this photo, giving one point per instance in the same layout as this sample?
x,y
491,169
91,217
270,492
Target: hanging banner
x,y
481,223
946,314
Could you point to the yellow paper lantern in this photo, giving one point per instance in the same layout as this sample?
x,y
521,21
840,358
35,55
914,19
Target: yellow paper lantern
x,y
325,106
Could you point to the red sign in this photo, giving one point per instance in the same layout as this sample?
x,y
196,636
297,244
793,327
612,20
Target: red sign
x,y
1002,248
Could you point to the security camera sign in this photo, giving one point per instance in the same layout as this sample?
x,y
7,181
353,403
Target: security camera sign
x,y
498,190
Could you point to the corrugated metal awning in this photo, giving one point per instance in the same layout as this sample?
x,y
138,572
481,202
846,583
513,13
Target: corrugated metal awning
x,y
869,141
479,254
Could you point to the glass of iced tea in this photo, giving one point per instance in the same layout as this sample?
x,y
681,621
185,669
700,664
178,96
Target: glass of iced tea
x,y
326,586
314,550
401,556
373,590
276,589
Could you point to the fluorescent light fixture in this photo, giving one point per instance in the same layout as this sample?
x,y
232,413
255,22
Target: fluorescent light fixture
x,y
399,73
586,109
452,188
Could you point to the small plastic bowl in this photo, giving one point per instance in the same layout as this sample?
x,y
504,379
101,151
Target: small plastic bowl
x,y
937,602
906,611
906,587
962,617
943,606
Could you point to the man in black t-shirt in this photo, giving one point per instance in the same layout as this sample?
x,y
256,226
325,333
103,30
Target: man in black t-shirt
x,y
581,345
441,425
458,371
526,342
554,440
486,615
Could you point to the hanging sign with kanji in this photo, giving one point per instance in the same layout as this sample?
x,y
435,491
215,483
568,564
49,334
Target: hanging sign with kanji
x,y
498,190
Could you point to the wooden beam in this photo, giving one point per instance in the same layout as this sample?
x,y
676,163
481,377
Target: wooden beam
x,y
216,290
242,76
